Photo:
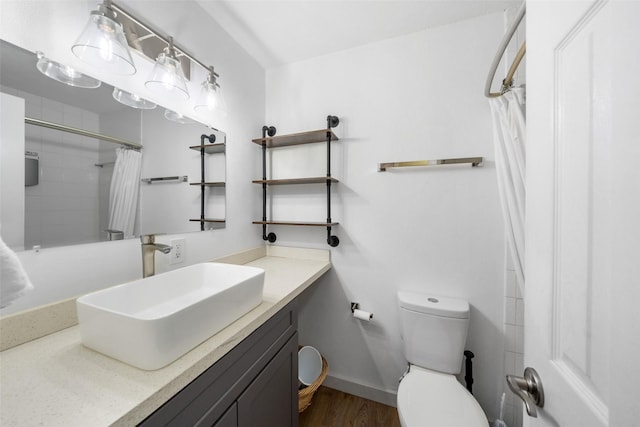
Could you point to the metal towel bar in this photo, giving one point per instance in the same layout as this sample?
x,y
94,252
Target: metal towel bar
x,y
475,162
165,178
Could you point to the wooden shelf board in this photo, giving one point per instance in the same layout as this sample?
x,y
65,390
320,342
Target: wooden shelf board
x,y
209,184
314,180
210,148
298,223
207,220
296,138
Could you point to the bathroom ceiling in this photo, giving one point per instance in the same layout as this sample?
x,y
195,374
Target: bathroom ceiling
x,y
285,31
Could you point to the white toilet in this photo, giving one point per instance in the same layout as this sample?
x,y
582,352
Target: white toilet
x,y
434,331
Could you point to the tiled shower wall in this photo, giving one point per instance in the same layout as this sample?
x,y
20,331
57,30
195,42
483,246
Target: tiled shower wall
x,y
513,297
514,343
63,208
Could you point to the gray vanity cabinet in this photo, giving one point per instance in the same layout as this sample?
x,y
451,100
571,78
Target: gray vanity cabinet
x,y
230,418
255,384
269,400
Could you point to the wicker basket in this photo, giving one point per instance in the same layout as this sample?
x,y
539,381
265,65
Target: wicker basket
x,y
306,394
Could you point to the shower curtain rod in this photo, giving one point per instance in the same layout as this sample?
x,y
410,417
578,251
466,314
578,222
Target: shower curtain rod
x,y
77,131
508,80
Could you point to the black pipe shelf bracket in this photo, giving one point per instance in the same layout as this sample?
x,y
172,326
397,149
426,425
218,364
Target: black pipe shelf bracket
x,y
211,148
270,140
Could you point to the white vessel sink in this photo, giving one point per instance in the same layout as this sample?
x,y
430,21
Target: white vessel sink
x,y
149,323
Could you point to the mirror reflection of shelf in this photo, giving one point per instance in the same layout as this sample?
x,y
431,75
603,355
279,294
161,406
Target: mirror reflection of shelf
x,y
287,181
299,223
212,223
210,148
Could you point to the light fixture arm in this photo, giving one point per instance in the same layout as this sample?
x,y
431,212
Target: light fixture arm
x,y
212,77
170,50
168,40
105,9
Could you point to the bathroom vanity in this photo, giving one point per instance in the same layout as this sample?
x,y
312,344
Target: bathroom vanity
x,y
245,375
254,384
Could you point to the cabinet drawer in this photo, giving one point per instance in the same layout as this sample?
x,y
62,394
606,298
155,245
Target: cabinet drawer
x,y
205,399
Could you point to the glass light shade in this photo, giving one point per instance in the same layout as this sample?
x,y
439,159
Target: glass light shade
x,y
176,117
208,98
211,100
65,74
132,100
168,79
103,45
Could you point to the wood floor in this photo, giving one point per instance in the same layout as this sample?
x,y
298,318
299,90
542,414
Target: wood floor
x,y
333,408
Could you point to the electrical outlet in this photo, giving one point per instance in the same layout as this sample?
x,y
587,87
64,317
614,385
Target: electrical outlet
x,y
177,251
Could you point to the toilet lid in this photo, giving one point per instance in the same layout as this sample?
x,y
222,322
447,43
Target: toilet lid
x,y
429,398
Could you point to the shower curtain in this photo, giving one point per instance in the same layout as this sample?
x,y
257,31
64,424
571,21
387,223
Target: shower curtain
x,y
509,126
125,186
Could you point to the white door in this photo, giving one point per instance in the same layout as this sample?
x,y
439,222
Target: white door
x,y
582,327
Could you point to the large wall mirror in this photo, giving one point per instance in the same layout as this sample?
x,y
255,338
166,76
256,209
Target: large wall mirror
x,y
71,181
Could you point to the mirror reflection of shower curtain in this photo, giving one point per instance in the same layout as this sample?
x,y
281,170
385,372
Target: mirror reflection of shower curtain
x,y
509,128
125,187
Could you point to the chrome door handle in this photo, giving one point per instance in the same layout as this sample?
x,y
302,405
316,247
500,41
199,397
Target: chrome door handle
x,y
529,389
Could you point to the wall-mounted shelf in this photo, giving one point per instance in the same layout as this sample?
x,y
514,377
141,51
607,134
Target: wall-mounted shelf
x,y
296,138
212,148
269,140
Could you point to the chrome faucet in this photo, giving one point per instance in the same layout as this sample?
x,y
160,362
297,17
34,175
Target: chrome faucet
x,y
149,248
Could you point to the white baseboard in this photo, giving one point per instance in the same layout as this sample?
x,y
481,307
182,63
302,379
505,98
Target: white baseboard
x,y
361,390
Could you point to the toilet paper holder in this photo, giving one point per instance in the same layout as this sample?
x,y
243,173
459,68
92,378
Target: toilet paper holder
x,y
360,314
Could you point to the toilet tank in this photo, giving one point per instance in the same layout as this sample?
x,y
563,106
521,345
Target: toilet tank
x,y
434,330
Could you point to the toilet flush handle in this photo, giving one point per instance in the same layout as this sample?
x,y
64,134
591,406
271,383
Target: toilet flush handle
x,y
529,389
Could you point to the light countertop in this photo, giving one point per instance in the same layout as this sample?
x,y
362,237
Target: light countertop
x,y
56,381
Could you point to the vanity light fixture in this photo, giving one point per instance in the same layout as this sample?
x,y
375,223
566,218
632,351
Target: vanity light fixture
x,y
64,74
177,117
103,44
167,76
132,100
211,98
117,31
210,94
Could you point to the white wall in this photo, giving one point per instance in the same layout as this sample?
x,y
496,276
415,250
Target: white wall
x,y
11,148
64,272
437,230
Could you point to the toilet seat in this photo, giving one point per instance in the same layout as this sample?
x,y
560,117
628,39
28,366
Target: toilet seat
x,y
430,398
